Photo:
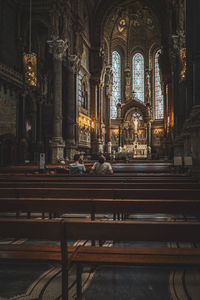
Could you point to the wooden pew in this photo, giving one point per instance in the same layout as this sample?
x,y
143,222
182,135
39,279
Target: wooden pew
x,y
101,185
88,178
35,229
100,206
106,230
149,168
94,193
131,231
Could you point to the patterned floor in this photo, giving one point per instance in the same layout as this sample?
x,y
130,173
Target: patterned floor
x,y
31,282
43,281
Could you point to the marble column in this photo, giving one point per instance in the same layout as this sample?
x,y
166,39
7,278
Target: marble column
x,y
108,94
128,91
165,106
72,63
148,79
58,50
108,126
190,31
149,139
99,128
193,63
93,108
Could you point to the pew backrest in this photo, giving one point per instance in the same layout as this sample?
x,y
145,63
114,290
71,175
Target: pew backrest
x,y
132,230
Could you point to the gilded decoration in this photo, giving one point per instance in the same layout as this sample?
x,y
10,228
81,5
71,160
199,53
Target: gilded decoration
x,y
30,69
182,55
85,126
121,25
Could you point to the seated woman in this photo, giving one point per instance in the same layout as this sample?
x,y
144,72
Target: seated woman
x,y
101,167
77,167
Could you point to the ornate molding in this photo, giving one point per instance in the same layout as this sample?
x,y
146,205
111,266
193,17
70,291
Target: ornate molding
x,y
58,48
11,76
74,62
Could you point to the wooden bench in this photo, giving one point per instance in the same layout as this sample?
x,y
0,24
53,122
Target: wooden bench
x,y
101,185
106,230
132,231
89,178
93,193
61,206
33,169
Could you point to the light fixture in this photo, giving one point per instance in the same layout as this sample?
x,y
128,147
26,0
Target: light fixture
x,y
30,59
182,55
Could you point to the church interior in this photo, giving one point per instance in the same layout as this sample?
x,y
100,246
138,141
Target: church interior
x,y
91,78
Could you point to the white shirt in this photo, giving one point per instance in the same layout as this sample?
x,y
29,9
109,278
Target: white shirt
x,y
101,169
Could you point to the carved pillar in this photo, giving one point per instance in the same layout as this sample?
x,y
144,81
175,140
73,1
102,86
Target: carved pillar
x,y
39,121
193,67
165,106
58,49
149,139
93,107
128,91
108,94
108,126
72,63
97,145
148,93
178,100
21,128
99,128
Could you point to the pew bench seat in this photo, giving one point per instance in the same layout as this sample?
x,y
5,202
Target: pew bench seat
x,y
38,253
97,255
136,256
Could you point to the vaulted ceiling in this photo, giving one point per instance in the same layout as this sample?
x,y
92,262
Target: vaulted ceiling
x,y
107,10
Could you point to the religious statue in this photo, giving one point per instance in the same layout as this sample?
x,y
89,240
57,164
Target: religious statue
x,y
148,85
119,110
108,81
135,123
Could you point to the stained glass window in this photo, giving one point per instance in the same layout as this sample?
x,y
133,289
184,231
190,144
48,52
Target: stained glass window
x,y
116,89
138,76
159,104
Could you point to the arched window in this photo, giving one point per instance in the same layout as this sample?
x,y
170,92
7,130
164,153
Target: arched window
x,y
159,104
116,89
138,76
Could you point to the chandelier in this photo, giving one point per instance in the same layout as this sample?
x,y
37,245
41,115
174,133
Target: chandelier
x,y
30,59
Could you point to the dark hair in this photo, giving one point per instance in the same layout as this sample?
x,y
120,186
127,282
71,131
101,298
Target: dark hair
x,y
76,157
102,159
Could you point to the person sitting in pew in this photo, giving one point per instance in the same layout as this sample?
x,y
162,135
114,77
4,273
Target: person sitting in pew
x,y
101,167
77,167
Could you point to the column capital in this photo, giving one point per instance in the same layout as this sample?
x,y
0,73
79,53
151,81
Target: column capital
x,y
57,48
74,62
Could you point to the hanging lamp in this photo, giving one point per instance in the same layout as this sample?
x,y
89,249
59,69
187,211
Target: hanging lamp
x,y
30,59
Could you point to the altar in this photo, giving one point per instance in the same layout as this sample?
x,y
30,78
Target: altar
x,y
137,150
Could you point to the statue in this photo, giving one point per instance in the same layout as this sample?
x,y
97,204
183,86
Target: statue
x,y
108,81
148,85
135,124
119,110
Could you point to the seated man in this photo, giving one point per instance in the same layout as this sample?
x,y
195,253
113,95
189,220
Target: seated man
x,y
77,167
101,167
